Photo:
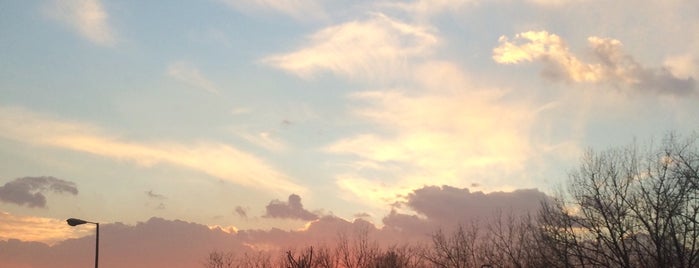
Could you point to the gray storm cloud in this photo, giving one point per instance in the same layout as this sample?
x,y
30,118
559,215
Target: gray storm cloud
x,y
30,191
292,209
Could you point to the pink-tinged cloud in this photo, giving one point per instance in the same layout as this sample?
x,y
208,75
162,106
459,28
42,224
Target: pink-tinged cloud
x,y
612,65
212,158
155,243
173,243
167,243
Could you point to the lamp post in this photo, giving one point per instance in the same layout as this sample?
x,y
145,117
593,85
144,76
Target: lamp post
x,y
74,222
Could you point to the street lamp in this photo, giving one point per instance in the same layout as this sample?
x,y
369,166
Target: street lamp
x,y
74,222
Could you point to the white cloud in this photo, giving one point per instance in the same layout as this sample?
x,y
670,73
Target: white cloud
x,y
375,49
451,132
613,66
297,9
683,66
219,160
531,46
190,75
87,17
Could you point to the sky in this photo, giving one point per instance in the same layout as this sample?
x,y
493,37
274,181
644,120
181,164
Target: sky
x,y
258,115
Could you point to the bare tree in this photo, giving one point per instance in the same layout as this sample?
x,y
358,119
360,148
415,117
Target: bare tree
x,y
456,250
325,258
510,242
356,252
219,259
259,259
304,260
627,208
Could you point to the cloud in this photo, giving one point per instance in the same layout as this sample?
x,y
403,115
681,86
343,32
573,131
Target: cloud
x,y
87,17
191,76
30,190
450,204
264,139
45,230
242,212
219,160
446,206
374,49
154,243
683,65
175,243
554,3
292,209
156,197
153,195
427,8
446,129
298,9
165,243
613,66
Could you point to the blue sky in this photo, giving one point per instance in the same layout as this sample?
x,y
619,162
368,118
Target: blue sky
x,y
192,109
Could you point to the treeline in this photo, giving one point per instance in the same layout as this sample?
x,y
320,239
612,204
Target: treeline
x,y
623,207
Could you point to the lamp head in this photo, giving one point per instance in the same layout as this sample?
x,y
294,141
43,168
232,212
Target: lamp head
x,y
74,222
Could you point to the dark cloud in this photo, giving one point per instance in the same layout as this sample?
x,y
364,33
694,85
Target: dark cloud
x,y
292,209
242,212
30,191
445,206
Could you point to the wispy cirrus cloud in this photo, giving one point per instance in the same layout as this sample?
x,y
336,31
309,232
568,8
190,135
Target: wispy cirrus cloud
x,y
216,159
191,76
87,17
612,64
377,48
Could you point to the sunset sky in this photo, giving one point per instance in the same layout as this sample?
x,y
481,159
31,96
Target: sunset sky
x,y
254,114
